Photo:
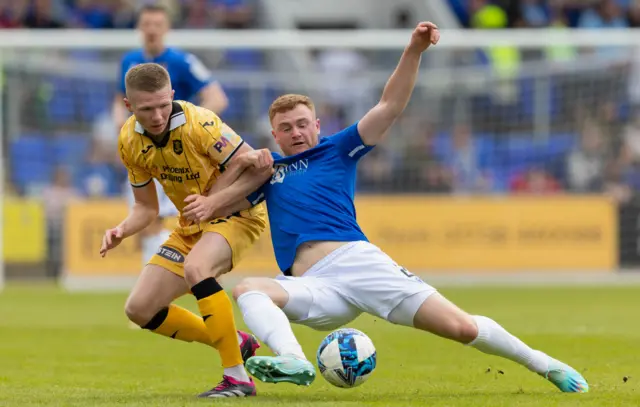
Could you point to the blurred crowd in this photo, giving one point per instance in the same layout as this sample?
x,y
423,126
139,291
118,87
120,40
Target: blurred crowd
x,y
545,13
104,14
591,145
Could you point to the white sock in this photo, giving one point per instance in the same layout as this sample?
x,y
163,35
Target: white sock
x,y
237,372
495,340
269,324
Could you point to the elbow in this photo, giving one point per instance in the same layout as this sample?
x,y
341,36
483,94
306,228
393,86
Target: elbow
x,y
391,109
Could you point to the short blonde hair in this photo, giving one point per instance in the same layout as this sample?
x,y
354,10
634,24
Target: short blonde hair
x,y
289,102
147,77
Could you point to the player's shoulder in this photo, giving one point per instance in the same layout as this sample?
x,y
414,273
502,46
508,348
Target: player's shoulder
x,y
127,130
129,139
135,55
346,132
178,55
198,114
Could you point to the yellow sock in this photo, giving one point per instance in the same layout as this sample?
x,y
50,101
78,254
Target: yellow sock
x,y
217,313
179,323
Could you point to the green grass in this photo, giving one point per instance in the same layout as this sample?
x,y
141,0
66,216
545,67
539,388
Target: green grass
x,y
60,349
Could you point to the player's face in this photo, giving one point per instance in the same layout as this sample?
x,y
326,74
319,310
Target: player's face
x,y
296,130
153,25
152,109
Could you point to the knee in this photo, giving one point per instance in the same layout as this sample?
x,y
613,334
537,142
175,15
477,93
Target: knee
x,y
464,329
138,311
195,272
244,286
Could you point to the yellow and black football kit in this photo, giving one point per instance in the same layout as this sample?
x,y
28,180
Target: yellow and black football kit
x,y
189,160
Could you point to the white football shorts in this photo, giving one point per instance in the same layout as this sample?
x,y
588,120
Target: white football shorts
x,y
355,278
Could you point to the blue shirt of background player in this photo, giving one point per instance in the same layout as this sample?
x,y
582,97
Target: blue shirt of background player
x,y
310,195
188,75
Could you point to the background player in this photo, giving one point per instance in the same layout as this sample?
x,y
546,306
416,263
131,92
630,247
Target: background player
x,y
185,147
189,77
331,272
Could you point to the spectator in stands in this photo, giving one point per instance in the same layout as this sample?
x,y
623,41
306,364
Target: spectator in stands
x,y
465,163
44,14
198,14
123,14
56,197
422,170
533,14
534,181
376,172
99,175
12,13
91,14
633,13
586,164
606,14
233,13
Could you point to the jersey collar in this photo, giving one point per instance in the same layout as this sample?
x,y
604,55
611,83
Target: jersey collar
x,y
176,120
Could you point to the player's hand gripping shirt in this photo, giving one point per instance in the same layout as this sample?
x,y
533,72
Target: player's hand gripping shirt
x,y
310,195
186,161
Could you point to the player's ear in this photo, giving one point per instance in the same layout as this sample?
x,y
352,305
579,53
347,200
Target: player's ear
x,y
173,92
127,104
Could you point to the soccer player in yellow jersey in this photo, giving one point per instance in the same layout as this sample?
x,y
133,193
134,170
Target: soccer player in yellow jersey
x,y
186,148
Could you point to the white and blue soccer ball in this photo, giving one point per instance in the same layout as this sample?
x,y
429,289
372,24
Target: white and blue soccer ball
x,y
346,358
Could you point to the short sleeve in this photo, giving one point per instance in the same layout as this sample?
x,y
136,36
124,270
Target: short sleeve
x,y
259,195
219,141
138,176
350,144
196,73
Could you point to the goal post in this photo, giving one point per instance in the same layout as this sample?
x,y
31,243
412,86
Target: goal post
x,y
493,111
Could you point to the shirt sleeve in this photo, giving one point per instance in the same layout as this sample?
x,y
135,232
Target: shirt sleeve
x,y
259,195
197,75
350,144
218,140
138,176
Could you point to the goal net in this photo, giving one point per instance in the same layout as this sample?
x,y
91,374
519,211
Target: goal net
x,y
518,151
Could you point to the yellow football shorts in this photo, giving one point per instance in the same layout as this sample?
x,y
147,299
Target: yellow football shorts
x,y
241,231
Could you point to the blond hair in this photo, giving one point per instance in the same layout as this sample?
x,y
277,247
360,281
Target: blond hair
x,y
289,102
147,77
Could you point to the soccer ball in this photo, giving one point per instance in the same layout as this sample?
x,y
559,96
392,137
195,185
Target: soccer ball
x,y
346,358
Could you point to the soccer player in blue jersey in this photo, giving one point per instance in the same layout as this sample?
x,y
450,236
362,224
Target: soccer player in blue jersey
x,y
189,77
331,273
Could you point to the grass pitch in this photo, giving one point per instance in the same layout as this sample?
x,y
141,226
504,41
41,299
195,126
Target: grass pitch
x,y
60,349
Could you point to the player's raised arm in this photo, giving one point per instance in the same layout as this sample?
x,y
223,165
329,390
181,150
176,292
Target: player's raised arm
x,y
374,126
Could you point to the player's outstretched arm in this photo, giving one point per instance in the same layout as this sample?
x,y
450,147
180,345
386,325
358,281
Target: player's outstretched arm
x,y
375,125
244,175
142,213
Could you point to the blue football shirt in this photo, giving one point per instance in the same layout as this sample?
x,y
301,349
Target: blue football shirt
x,y
188,74
310,195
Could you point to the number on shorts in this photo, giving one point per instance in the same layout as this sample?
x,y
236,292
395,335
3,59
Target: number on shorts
x,y
408,273
405,271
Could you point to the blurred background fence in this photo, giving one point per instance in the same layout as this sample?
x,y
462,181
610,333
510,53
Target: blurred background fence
x,y
519,152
